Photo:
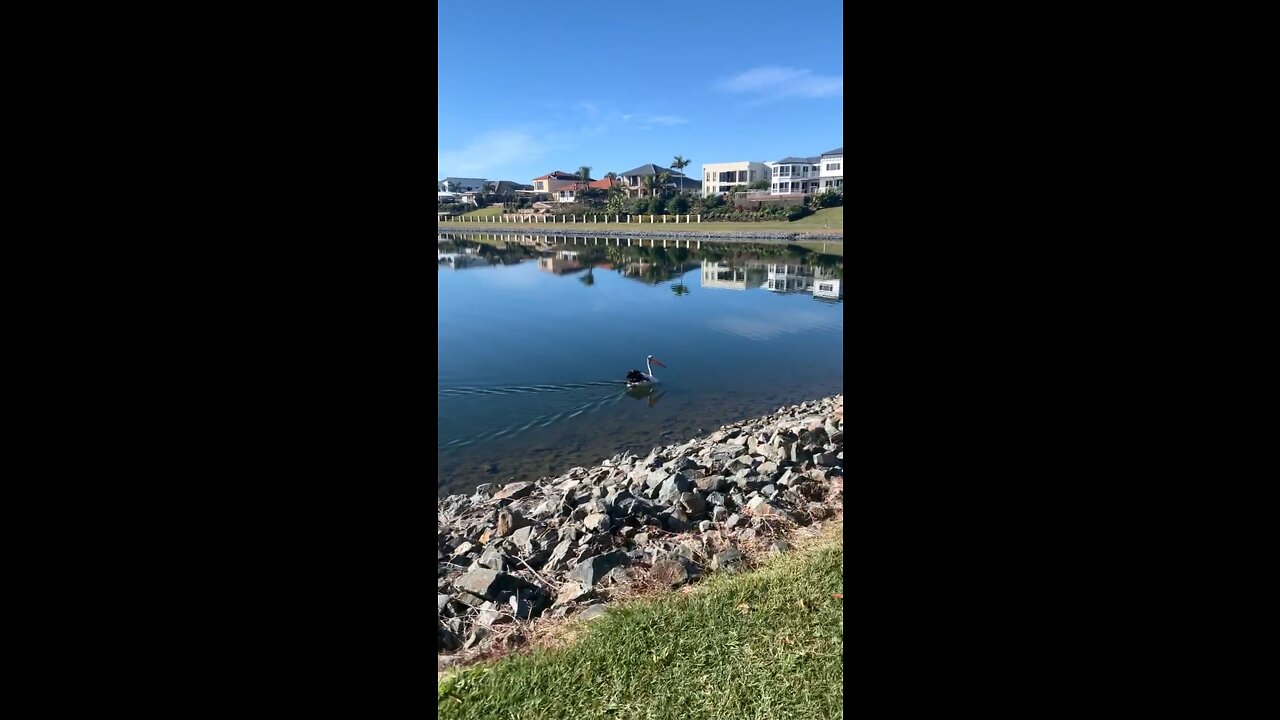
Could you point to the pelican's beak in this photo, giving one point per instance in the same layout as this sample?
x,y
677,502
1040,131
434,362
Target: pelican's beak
x,y
656,361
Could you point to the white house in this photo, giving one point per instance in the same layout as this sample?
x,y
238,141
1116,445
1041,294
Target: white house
x,y
832,173
794,175
718,178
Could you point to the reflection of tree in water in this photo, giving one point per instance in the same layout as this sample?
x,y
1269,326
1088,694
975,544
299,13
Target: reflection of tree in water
x,y
654,265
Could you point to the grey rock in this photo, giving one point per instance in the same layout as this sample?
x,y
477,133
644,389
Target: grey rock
x,y
592,612
489,618
493,559
716,498
592,570
826,459
442,601
704,526
727,558
769,491
642,538
712,483
463,548
514,491
746,534
672,572
523,538
760,506
490,584
733,521
693,504
571,592
779,546
558,555
479,634
596,522
719,513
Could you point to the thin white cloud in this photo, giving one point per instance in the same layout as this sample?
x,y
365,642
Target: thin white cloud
x,y
490,151
601,119
665,120
772,81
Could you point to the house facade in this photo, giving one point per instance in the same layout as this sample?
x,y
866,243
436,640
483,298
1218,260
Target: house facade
x,y
635,179
832,172
555,180
794,175
719,178
569,193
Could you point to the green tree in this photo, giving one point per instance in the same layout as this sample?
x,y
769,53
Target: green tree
x,y
653,184
584,176
679,163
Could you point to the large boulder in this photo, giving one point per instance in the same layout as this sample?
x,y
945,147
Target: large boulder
x,y
593,569
491,584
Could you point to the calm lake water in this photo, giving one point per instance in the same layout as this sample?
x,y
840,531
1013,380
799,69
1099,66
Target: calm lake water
x,y
537,334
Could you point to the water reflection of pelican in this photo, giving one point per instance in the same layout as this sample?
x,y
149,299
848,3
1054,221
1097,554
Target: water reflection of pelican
x,y
646,392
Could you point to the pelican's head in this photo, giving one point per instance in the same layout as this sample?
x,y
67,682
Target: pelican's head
x,y
656,361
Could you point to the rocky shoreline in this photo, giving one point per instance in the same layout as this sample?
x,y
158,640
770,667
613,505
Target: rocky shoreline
x,y
563,546
611,230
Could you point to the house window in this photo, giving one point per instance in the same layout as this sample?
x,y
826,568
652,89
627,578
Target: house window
x,y
833,166
826,287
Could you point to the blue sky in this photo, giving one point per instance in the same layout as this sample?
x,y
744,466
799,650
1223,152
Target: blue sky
x,y
527,88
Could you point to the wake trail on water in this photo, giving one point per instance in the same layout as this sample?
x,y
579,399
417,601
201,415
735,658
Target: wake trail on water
x,y
526,389
541,421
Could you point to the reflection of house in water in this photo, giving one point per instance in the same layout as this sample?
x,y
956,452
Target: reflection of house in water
x,y
562,262
828,289
721,275
820,281
457,261
788,278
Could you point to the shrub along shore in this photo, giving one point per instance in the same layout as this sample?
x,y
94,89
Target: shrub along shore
x,y
704,231
565,546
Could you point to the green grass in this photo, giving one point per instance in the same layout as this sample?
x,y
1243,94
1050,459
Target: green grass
x,y
490,211
812,224
700,655
831,248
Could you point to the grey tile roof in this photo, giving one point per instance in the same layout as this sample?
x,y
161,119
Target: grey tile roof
x,y
837,151
476,183
650,169
810,160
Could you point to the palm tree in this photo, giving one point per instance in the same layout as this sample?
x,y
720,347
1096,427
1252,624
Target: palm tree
x,y
679,163
584,175
652,183
588,279
664,177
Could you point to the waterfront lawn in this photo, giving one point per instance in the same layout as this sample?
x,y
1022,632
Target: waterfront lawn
x,y
490,211
763,644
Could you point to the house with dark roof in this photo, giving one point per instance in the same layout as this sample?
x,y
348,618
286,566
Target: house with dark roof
x,y
555,180
635,179
509,187
832,172
794,175
457,184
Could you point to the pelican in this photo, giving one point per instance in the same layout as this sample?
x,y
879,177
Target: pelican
x,y
635,378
